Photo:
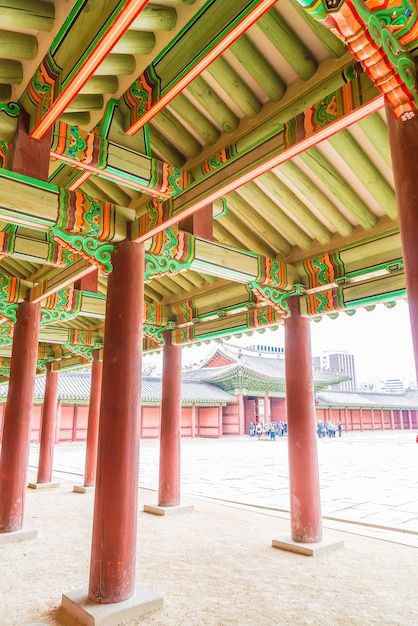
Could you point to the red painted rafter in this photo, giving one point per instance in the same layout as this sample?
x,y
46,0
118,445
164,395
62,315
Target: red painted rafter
x,y
262,7
122,22
324,133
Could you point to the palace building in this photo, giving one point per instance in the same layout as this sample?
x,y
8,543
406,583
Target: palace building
x,y
180,171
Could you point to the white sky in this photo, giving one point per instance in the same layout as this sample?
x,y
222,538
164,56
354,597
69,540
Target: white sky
x,y
380,341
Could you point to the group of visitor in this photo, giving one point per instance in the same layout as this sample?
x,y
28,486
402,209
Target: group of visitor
x,y
270,430
328,429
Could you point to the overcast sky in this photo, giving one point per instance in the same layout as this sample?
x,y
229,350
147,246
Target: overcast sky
x,y
380,341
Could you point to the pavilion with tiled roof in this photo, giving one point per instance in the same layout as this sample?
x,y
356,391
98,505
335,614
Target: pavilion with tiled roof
x,y
182,171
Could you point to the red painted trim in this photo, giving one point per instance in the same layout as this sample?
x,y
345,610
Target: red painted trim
x,y
125,18
80,180
90,169
254,15
65,283
299,147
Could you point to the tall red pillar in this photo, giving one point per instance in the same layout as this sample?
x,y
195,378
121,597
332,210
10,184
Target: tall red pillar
x,y
170,435
241,415
49,414
18,415
112,566
403,139
305,506
93,421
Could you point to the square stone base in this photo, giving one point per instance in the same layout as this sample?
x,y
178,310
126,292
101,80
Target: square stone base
x,y
155,509
43,485
307,549
18,535
78,606
82,489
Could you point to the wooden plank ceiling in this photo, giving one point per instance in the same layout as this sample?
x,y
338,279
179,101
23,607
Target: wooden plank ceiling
x,y
159,110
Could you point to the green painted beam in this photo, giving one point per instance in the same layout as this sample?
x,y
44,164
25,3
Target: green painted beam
x,y
266,207
335,46
17,45
185,141
224,236
165,149
288,44
195,119
319,200
358,161
249,240
135,42
155,17
100,85
376,132
235,87
203,93
258,223
259,67
336,184
11,72
29,14
116,65
86,103
288,200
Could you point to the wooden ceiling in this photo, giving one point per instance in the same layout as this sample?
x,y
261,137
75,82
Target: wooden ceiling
x,y
247,120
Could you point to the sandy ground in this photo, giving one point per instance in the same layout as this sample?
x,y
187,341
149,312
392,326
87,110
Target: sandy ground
x,y
214,567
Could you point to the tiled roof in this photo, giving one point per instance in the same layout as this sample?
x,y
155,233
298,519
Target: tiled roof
x,y
73,386
263,366
407,400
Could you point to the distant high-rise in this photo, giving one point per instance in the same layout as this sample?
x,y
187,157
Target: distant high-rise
x,y
342,361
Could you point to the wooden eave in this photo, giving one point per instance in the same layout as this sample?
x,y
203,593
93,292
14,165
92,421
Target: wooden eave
x,y
277,127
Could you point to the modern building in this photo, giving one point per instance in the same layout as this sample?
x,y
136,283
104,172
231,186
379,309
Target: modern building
x,y
342,362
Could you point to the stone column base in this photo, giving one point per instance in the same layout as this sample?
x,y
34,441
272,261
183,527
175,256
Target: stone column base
x,y
307,549
18,535
82,489
43,485
78,606
156,509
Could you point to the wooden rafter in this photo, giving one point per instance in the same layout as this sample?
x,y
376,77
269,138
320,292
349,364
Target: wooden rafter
x,y
246,17
244,169
126,13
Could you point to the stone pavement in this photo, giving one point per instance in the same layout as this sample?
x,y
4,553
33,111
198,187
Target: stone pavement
x,y
369,481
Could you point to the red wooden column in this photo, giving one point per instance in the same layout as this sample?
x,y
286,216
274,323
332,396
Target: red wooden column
x,y
170,435
403,139
220,421
17,419
193,420
305,505
241,415
93,421
112,566
49,414
267,416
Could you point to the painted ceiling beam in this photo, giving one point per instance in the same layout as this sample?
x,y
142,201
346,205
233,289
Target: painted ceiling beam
x,y
240,164
32,14
40,205
96,155
60,77
173,252
384,287
383,39
158,85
